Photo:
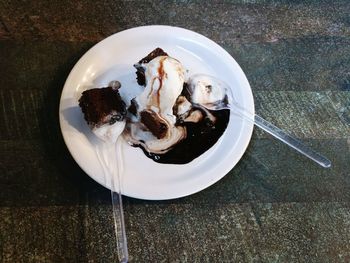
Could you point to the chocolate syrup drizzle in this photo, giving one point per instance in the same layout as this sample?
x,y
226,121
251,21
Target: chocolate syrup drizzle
x,y
201,136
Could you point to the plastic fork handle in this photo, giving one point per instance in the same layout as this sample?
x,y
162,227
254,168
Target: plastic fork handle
x,y
282,136
118,215
107,154
117,205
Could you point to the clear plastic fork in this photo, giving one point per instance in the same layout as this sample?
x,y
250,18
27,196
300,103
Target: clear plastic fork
x,y
220,87
110,156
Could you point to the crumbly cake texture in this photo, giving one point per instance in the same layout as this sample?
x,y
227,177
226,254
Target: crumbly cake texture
x,y
156,125
102,106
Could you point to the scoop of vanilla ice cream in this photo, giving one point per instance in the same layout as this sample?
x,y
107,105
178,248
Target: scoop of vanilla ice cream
x,y
205,89
164,83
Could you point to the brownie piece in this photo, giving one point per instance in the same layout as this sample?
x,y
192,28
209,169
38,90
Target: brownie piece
x,y
155,53
155,124
140,71
102,105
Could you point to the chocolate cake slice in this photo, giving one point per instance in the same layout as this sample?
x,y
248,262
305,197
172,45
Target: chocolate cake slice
x,y
102,105
154,123
140,73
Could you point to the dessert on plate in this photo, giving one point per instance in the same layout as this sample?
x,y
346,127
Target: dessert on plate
x,y
167,119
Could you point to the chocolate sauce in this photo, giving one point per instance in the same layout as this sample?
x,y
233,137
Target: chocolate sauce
x,y
161,74
201,136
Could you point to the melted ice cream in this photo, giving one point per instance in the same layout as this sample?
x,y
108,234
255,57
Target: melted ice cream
x,y
164,83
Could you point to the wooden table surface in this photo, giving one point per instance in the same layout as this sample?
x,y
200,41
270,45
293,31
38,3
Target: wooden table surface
x,y
274,206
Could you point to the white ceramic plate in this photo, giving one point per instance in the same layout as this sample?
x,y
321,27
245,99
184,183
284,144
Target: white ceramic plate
x,y
113,59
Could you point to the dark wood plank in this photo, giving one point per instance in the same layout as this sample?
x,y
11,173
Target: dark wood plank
x,y
245,232
274,206
224,21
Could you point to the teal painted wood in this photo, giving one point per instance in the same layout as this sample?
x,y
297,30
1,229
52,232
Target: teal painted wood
x,y
274,206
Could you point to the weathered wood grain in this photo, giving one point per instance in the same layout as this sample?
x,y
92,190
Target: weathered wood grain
x,y
225,21
306,114
303,64
244,232
57,234
274,206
